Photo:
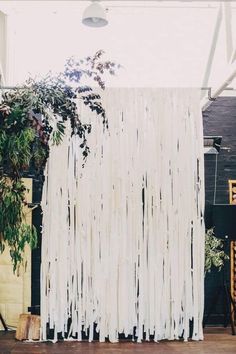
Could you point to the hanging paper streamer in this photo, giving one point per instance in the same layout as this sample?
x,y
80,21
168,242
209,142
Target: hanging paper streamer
x,y
123,237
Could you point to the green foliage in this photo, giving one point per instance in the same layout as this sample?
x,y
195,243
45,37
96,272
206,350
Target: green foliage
x,y
13,230
29,117
39,154
16,149
57,135
45,105
214,254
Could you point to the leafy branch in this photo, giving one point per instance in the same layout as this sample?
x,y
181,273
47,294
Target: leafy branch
x,y
32,115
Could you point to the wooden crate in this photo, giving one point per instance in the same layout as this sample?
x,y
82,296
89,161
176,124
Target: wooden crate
x,y
28,327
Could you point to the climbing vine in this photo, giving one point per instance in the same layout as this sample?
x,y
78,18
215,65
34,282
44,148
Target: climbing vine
x,y
30,117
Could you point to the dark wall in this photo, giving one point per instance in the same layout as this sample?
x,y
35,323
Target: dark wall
x,y
36,253
220,119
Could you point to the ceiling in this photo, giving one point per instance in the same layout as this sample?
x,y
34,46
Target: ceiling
x,y
158,43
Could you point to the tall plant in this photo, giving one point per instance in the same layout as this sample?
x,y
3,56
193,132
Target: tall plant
x,y
31,116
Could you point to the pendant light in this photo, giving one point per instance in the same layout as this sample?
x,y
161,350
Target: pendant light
x,y
94,15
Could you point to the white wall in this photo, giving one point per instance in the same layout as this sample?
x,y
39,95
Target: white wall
x,y
3,48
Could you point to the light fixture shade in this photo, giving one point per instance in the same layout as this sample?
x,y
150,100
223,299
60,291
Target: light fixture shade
x,y
210,150
94,15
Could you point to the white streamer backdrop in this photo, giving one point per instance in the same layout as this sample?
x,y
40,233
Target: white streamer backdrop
x,y
123,237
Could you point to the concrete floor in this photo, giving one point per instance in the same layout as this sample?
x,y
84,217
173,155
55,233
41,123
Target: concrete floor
x,y
217,341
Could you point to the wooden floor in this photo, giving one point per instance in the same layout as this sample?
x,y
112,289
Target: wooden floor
x,y
217,341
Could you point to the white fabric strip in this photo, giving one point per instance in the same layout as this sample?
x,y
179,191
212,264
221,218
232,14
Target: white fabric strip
x,y
123,237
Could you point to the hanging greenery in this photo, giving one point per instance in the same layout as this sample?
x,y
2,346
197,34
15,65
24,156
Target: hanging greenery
x,y
31,116
13,230
214,253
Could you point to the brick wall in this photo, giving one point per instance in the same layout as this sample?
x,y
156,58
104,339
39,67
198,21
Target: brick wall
x,y
220,119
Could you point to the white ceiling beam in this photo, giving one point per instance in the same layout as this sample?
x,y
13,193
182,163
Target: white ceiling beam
x,y
228,30
229,76
233,58
230,71
213,48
